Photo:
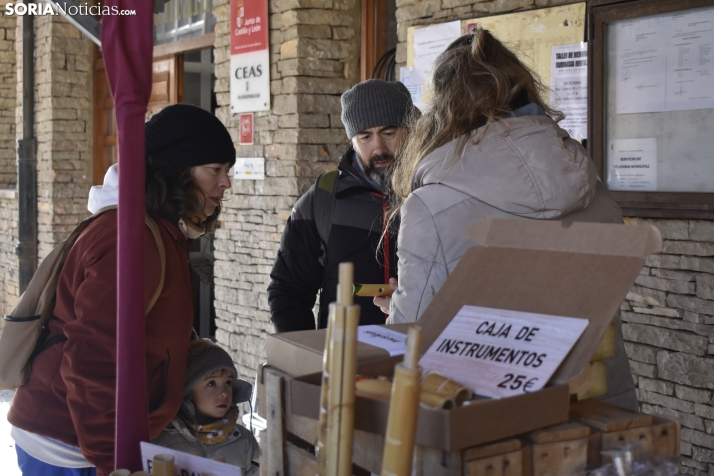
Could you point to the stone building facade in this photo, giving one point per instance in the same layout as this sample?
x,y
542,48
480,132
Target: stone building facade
x,y
668,314
314,48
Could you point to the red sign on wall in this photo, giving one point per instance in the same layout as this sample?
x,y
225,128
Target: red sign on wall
x,y
249,26
250,56
246,129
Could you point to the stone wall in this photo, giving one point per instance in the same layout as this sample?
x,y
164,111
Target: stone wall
x,y
63,126
9,291
8,85
668,323
314,48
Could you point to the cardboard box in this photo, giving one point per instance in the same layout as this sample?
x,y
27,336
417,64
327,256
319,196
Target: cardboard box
x,y
300,352
580,270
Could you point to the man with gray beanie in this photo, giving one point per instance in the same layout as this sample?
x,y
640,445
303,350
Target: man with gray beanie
x,y
341,217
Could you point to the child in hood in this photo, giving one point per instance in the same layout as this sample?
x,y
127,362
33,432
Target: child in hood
x,y
207,423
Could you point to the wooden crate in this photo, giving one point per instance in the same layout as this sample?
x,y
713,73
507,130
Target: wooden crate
x,y
612,427
559,450
566,449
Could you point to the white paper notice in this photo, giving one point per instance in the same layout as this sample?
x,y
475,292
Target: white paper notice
x,y
387,339
405,76
632,165
569,87
664,62
249,168
430,42
187,463
499,353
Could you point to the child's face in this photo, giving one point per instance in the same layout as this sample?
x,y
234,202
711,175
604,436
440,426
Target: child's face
x,y
213,395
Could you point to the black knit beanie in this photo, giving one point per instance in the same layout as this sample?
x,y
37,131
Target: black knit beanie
x,y
375,103
205,357
182,135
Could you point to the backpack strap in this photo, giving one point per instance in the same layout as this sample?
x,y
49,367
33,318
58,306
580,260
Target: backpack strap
x,y
162,258
323,206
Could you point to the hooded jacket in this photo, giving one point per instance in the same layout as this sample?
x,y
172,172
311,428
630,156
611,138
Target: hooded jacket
x,y
523,167
70,394
297,275
239,448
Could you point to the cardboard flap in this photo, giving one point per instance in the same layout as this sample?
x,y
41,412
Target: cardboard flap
x,y
581,270
597,238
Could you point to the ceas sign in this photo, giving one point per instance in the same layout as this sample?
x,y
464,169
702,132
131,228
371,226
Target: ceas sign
x,y
499,353
250,58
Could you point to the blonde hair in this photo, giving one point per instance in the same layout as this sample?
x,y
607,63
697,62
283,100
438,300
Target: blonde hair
x,y
476,81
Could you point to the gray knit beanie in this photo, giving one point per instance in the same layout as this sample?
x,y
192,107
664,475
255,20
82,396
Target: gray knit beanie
x,y
205,357
375,103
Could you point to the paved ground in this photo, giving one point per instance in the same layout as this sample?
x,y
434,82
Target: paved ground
x,y
8,458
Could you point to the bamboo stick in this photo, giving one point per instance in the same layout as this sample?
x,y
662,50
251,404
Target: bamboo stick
x,y
345,286
337,354
403,411
436,383
163,465
324,392
382,390
347,403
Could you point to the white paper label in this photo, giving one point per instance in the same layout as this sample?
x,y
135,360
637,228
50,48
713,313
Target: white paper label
x,y
249,168
500,353
387,339
632,165
186,463
569,87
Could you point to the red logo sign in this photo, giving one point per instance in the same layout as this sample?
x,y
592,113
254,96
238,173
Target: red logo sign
x,y
249,26
246,129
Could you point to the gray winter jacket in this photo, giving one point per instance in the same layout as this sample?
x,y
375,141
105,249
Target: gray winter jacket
x,y
522,167
239,449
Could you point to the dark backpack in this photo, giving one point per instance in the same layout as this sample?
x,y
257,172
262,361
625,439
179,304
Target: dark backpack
x,y
323,207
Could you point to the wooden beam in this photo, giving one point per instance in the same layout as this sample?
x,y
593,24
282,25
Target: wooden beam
x,y
185,46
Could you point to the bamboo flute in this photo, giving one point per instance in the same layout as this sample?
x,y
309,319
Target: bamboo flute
x,y
403,411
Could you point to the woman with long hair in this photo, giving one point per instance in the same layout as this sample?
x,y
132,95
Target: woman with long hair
x,y
488,146
64,416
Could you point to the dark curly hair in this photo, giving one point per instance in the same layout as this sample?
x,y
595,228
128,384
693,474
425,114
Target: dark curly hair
x,y
171,194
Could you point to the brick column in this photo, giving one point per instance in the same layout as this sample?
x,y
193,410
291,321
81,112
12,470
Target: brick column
x,y
8,93
314,47
63,126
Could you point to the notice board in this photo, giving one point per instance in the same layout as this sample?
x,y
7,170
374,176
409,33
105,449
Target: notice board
x,y
530,34
537,37
652,105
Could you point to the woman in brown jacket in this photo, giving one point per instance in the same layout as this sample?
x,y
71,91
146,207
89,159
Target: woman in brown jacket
x,y
64,417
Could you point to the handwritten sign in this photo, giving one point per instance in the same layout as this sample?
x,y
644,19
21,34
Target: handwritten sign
x,y
186,463
500,353
249,168
387,339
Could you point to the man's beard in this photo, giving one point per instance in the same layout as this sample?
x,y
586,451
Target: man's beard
x,y
381,175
